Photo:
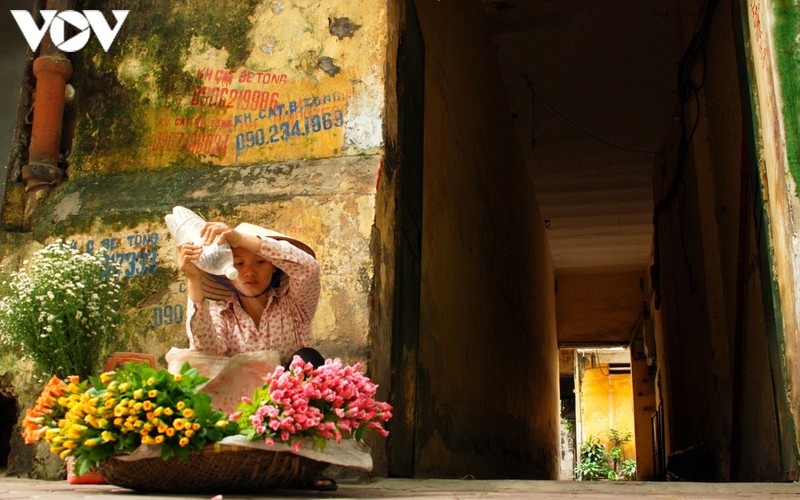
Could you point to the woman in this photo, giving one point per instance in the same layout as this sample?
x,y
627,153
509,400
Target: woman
x,y
269,306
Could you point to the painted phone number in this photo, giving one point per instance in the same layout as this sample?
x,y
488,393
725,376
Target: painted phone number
x,y
285,131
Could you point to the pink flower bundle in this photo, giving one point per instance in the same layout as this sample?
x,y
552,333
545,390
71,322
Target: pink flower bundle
x,y
333,401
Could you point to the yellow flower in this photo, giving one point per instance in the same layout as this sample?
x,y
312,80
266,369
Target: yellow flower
x,y
159,439
177,377
196,426
102,423
108,436
179,423
107,377
92,442
64,453
123,387
189,433
162,428
169,432
138,394
151,381
183,442
70,445
158,411
75,431
153,393
148,440
118,422
180,406
147,406
110,402
188,413
168,411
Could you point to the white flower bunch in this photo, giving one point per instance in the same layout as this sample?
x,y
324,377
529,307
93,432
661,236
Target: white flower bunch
x,y
61,310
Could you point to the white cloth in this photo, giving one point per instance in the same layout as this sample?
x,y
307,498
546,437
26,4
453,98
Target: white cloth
x,y
347,452
230,378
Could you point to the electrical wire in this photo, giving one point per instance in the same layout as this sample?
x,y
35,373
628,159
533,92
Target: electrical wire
x,y
574,124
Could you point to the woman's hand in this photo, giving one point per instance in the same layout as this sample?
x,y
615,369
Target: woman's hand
x,y
188,253
219,232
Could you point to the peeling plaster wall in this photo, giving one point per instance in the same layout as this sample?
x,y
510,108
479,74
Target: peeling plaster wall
x,y
221,83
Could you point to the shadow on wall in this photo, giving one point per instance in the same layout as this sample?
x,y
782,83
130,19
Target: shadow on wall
x,y
13,50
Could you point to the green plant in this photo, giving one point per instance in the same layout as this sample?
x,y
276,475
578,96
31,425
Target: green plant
x,y
593,462
596,462
61,310
618,440
627,470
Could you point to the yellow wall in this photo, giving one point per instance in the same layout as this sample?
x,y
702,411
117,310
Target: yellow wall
x,y
606,403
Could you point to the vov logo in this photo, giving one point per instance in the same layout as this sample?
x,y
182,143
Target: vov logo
x,y
84,23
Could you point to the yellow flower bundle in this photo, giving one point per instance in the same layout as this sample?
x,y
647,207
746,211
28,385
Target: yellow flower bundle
x,y
121,410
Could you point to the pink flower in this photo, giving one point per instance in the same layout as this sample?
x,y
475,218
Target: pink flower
x,y
329,402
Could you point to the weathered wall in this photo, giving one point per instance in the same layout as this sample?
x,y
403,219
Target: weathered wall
x,y
262,111
594,306
703,280
607,403
488,351
771,55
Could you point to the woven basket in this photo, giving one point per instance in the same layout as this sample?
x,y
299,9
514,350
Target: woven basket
x,y
215,469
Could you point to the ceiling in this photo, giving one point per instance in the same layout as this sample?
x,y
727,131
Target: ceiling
x,y
604,75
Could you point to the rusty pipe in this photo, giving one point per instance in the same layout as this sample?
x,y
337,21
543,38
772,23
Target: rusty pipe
x,y
42,171
52,70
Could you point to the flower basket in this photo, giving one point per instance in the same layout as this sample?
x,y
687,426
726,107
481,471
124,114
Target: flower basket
x,y
214,469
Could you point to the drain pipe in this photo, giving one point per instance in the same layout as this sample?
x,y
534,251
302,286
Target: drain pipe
x,y
52,70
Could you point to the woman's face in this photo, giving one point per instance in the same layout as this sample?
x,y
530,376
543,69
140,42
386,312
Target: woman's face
x,y
255,272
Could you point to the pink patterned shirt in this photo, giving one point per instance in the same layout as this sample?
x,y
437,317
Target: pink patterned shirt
x,y
223,328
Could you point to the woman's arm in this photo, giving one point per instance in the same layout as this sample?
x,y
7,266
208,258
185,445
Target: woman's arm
x,y
205,334
302,269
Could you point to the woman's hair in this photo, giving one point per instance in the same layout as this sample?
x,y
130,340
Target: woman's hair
x,y
276,279
308,355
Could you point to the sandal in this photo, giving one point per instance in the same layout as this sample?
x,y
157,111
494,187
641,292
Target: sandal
x,y
322,483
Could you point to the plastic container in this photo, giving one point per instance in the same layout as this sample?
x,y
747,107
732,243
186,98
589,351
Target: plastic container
x,y
185,225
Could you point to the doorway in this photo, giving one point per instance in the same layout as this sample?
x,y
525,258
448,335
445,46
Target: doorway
x,y
604,414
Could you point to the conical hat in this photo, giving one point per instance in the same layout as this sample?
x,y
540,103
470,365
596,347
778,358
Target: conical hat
x,y
219,287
